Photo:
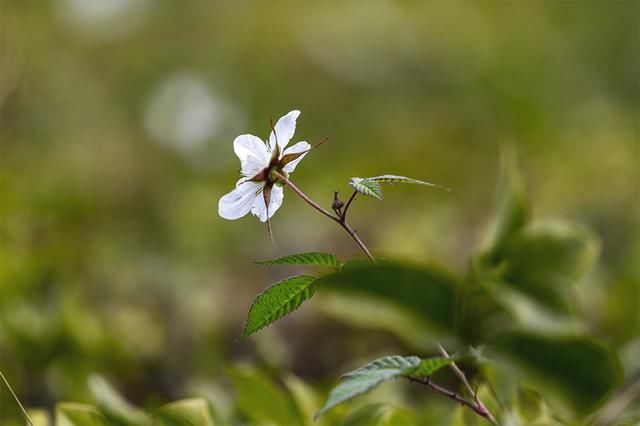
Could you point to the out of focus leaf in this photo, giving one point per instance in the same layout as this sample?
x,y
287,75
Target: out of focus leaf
x,y
260,400
113,404
186,412
39,417
76,414
544,259
368,377
582,372
427,293
329,260
277,301
367,187
304,397
513,210
378,415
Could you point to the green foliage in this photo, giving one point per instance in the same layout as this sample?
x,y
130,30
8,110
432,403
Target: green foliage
x,y
76,414
115,407
430,365
427,293
329,260
277,301
367,187
545,258
186,412
368,377
580,370
260,400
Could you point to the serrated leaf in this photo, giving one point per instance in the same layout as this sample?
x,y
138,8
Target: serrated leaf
x,y
329,260
277,301
578,370
185,412
389,179
430,365
367,187
365,378
76,414
260,400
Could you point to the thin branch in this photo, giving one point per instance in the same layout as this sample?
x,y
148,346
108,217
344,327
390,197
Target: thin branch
x,y
24,412
340,220
482,412
478,404
346,206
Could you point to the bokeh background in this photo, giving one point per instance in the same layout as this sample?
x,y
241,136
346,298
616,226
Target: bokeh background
x,y
117,122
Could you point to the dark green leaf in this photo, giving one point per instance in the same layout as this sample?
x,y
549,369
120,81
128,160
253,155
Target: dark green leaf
x,y
428,294
582,372
277,301
329,260
367,187
368,377
542,260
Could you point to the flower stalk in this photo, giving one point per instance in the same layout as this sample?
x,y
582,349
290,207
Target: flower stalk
x,y
340,219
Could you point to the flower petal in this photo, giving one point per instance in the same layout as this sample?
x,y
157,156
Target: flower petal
x,y
260,209
298,148
285,128
252,152
239,202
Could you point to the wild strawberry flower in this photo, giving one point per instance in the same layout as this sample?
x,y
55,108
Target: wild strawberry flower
x,y
259,190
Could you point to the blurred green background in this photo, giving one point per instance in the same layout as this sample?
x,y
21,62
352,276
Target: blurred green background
x,y
117,122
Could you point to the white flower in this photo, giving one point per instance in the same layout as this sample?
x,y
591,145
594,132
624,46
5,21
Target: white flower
x,y
258,191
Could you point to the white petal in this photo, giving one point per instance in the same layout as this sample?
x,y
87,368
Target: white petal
x,y
252,152
239,202
299,147
260,209
285,128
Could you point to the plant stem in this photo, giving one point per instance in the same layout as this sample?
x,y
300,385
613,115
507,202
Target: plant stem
x,y
340,220
24,412
480,407
479,410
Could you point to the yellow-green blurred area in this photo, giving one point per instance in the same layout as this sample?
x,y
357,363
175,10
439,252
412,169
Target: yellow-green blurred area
x,y
117,122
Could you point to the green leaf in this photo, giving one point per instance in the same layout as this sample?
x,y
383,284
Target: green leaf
x,y
113,404
277,301
368,377
430,365
329,260
367,187
304,396
260,400
389,179
580,371
544,259
185,412
427,293
513,209
76,414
